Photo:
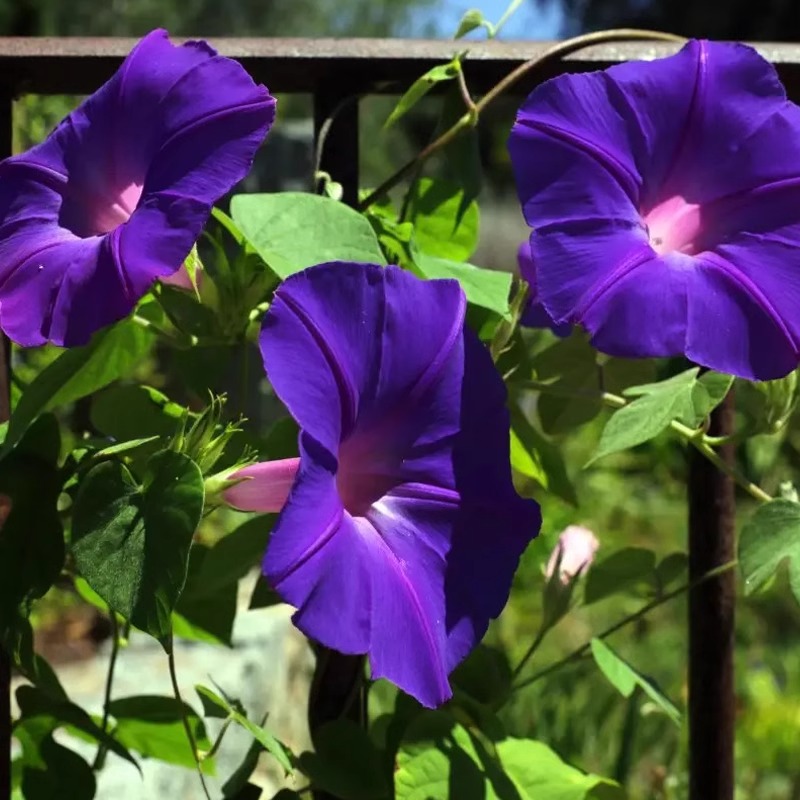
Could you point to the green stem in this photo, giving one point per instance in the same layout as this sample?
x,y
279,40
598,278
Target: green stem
x,y
179,340
218,741
700,442
576,655
465,95
173,676
509,12
529,652
100,758
694,436
558,51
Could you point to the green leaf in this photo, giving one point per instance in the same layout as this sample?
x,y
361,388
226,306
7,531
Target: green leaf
x,y
421,86
655,407
219,707
769,537
676,384
438,760
18,642
236,787
51,713
446,224
131,543
482,287
441,760
135,412
472,20
535,457
345,762
207,606
537,773
620,572
153,726
671,568
201,615
710,390
63,775
79,372
572,398
460,161
293,230
624,678
31,535
619,374
485,675
264,596
234,555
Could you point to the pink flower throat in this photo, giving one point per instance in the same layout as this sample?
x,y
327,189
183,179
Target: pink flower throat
x,y
675,225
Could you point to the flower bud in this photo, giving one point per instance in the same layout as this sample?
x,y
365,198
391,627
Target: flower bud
x,y
573,554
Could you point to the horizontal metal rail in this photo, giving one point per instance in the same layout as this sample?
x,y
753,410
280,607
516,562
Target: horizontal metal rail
x,y
76,65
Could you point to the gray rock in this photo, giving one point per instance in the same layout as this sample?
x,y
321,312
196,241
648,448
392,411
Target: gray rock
x,y
268,670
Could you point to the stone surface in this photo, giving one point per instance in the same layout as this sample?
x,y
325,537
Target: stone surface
x,y
268,669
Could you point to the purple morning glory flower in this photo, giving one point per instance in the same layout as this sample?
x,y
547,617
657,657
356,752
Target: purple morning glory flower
x,y
535,315
402,529
118,194
664,199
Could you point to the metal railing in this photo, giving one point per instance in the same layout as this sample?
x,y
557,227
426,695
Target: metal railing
x,y
336,73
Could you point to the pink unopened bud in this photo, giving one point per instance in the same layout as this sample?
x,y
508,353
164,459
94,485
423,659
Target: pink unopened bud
x,y
182,280
263,487
576,548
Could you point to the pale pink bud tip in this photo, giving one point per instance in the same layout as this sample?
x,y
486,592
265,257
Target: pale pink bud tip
x,y
576,548
266,486
182,280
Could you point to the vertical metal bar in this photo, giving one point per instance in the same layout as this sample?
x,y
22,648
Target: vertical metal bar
x,y
6,135
712,543
337,689
336,136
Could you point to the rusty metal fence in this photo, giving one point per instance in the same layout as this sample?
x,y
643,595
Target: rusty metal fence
x,y
336,73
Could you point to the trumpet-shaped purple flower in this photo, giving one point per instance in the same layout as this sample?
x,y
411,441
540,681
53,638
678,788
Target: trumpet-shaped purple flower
x,y
402,529
117,195
664,199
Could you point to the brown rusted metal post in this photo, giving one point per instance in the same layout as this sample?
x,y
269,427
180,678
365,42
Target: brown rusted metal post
x,y
6,133
712,543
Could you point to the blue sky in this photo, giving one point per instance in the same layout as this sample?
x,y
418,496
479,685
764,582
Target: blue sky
x,y
529,21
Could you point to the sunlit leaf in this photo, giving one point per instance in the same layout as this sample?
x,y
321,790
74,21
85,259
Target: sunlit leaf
x,y
421,86
131,542
624,678
295,230
768,538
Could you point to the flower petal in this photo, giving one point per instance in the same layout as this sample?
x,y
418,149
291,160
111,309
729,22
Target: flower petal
x,y
140,162
343,320
708,130
404,500
736,328
52,292
535,314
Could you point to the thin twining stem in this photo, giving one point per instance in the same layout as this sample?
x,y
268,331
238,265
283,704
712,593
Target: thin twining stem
x,y
529,652
558,51
173,676
694,436
578,654
102,749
